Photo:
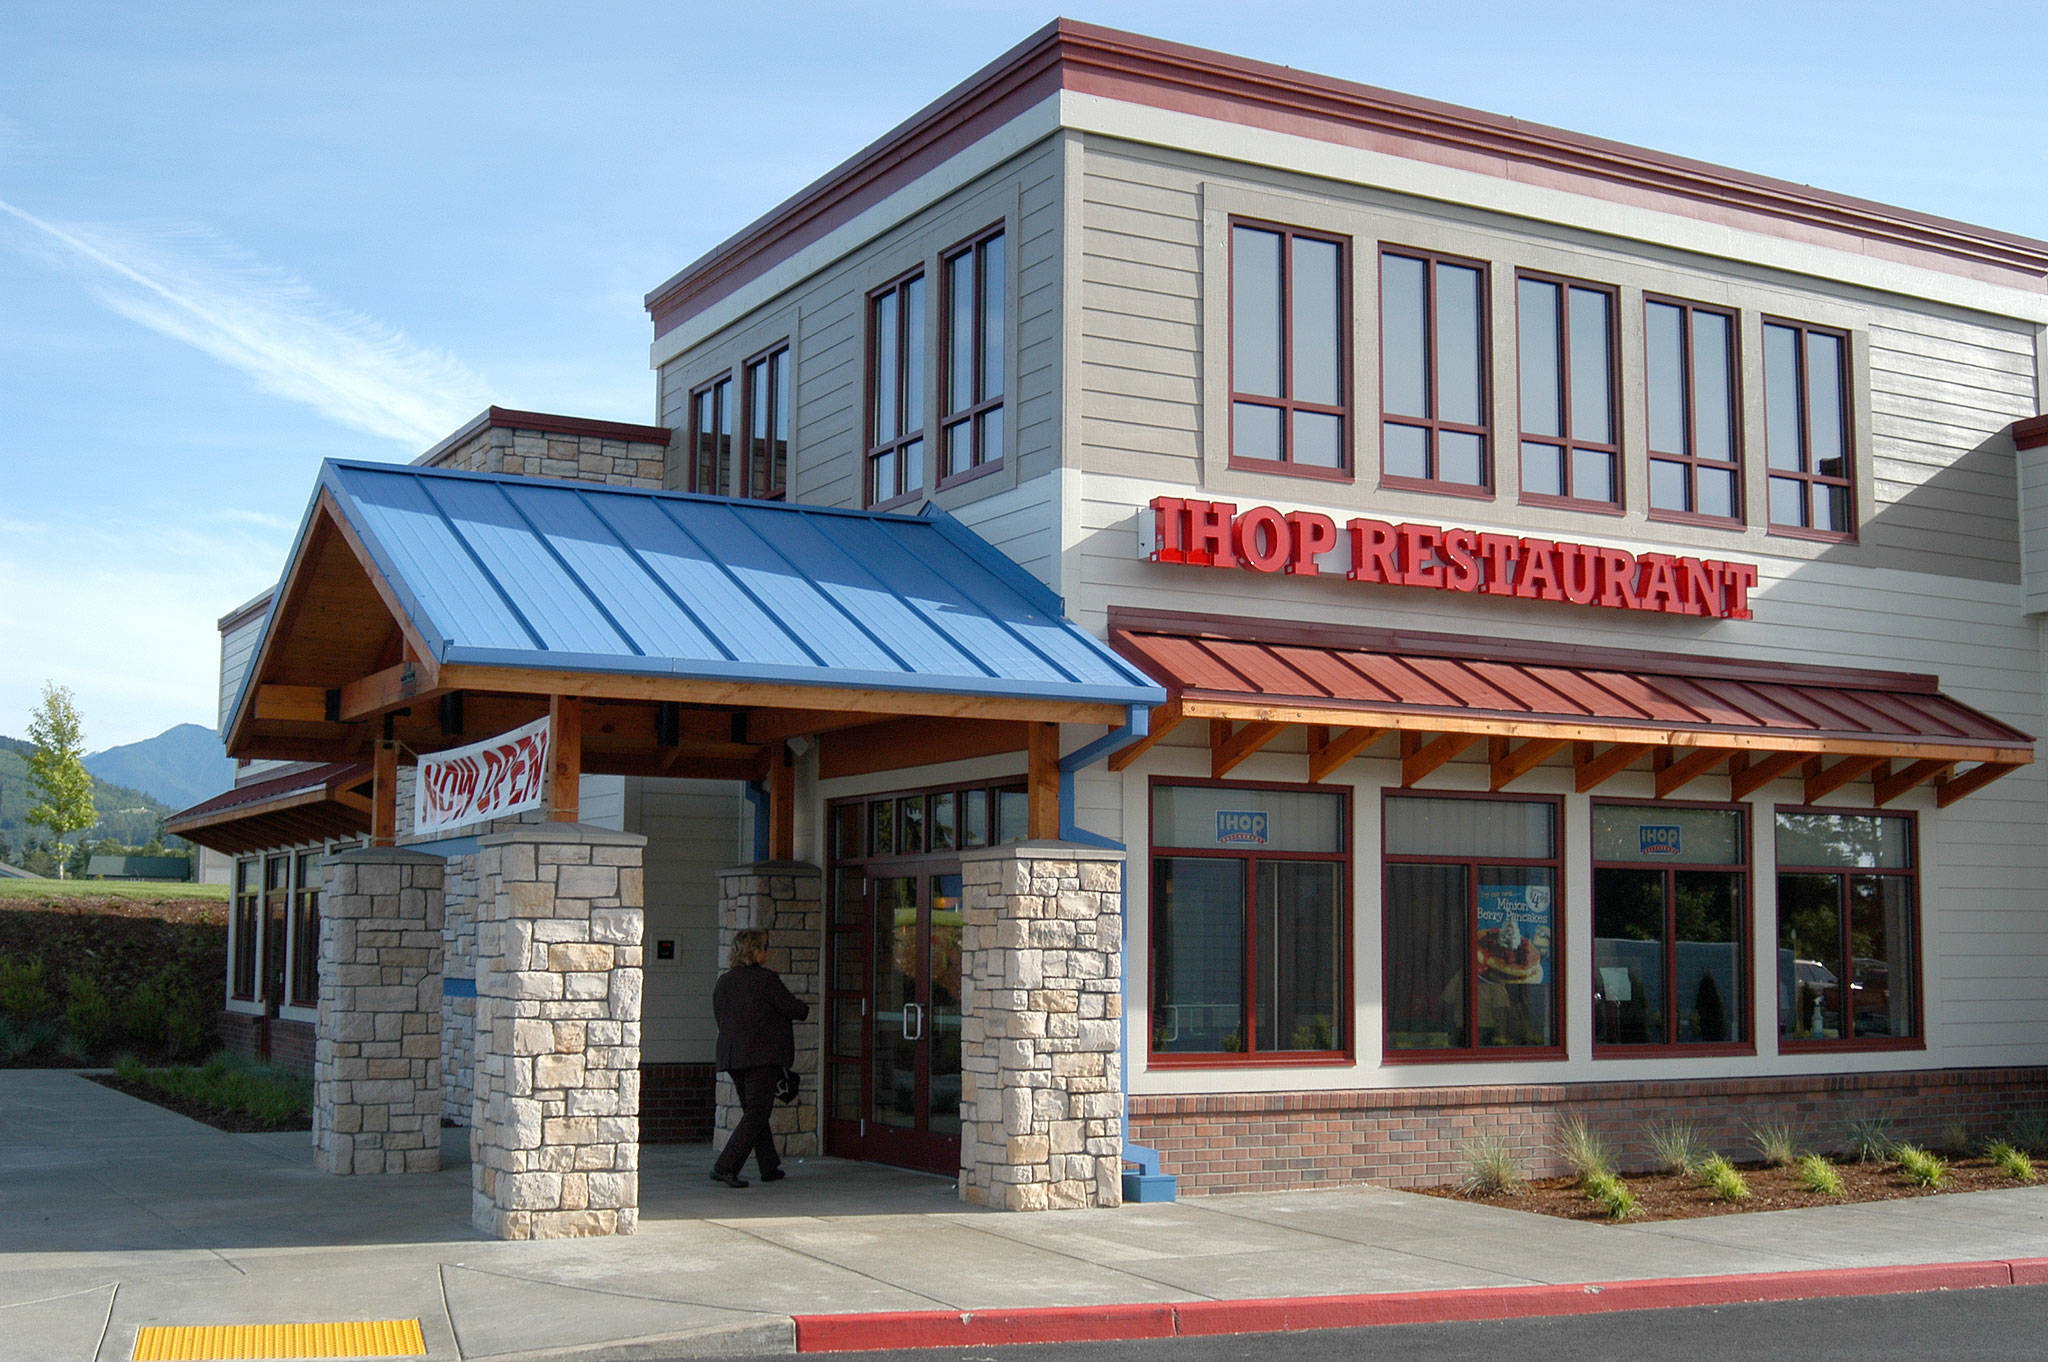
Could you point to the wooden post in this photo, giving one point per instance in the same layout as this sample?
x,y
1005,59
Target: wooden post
x,y
781,805
384,795
1043,782
565,766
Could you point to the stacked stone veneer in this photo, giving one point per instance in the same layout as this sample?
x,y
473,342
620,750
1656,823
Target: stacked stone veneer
x,y
377,1052
555,1142
458,1005
1042,996
548,454
785,899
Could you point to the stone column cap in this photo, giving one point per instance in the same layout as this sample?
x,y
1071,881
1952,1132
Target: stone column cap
x,y
588,834
1043,851
385,856
773,868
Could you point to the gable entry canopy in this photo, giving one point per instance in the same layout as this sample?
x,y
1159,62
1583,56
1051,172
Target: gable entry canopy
x,y
666,634
1433,697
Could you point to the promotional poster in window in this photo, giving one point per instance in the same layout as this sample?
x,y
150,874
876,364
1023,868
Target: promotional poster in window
x,y
1514,933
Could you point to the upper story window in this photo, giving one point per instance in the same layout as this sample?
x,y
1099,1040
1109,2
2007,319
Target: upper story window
x,y
971,362
895,424
711,438
1571,450
1806,428
1433,396
765,453
1289,350
1695,454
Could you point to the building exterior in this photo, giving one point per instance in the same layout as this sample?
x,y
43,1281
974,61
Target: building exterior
x,y
1573,633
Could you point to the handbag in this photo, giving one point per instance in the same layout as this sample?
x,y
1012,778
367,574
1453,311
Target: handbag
x,y
787,1086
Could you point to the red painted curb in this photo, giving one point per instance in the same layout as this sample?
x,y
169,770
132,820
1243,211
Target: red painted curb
x,y
1095,1323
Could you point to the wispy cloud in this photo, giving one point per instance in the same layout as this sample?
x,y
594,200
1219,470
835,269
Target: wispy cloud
x,y
270,325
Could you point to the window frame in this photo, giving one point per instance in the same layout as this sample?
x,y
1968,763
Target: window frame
x,y
302,957
1287,404
980,404
907,376
245,931
1810,481
1345,1054
1853,1044
1689,459
1745,941
706,390
1487,487
1559,961
1568,442
765,358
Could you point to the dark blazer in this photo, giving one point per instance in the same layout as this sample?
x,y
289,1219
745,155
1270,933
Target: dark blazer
x,y
755,1012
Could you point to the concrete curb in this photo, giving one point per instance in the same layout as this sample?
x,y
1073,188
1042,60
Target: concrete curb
x,y
1071,1324
772,1336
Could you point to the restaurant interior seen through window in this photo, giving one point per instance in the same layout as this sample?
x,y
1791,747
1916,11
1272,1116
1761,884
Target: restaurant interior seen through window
x,y
1847,911
1669,911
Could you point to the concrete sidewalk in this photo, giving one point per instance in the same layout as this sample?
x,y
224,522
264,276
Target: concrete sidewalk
x,y
118,1214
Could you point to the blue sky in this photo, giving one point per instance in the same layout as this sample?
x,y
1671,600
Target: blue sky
x,y
238,239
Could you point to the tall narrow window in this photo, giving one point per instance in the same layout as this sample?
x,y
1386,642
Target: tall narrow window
x,y
1695,456
1806,430
1290,349
1570,449
766,446
971,371
1433,371
895,444
711,438
305,970
1848,924
1670,919
248,926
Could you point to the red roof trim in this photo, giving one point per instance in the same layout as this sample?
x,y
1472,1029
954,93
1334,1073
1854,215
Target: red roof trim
x,y
2031,433
505,418
302,779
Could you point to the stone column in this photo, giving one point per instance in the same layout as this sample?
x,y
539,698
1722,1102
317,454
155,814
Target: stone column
x,y
377,1041
555,1138
785,899
1042,1079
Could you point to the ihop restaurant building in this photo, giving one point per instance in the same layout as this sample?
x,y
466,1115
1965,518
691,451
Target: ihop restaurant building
x,y
1233,625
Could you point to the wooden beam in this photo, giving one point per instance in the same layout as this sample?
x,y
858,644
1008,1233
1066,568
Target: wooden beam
x,y
1761,770
1165,719
1042,781
1330,748
1971,781
892,744
384,795
1236,746
768,726
1892,786
1514,763
565,764
291,704
1828,779
1677,772
1425,757
402,683
781,805
1589,771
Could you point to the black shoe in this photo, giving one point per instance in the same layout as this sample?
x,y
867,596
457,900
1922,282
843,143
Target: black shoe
x,y
729,1179
776,1176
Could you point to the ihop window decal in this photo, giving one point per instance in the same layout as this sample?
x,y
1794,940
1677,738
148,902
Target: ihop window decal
x,y
1241,827
1660,839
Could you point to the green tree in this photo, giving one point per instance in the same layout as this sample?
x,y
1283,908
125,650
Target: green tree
x,y
56,769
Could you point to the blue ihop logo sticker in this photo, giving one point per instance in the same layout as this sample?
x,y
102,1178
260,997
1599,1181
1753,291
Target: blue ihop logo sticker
x,y
1658,839
1240,827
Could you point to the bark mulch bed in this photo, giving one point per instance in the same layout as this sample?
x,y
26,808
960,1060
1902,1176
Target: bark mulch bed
x,y
239,1122
1670,1196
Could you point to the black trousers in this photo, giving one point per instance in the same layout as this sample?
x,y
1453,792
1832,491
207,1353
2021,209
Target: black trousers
x,y
753,1135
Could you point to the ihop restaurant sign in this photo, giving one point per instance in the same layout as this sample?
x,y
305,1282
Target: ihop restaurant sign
x,y
1216,534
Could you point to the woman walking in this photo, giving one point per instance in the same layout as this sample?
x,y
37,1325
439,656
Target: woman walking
x,y
756,1016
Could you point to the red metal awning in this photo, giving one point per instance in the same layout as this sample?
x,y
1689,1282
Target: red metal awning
x,y
306,802
1442,693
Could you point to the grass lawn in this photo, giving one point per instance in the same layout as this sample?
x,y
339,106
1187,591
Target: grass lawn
x,y
109,889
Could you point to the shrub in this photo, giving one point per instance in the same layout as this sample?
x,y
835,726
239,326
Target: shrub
x,y
24,990
1817,1175
227,1084
1919,1166
1723,1179
1955,1140
1677,1146
1611,1195
1492,1167
2012,1162
2031,1134
1774,1142
1870,1138
143,1014
1585,1153
88,1014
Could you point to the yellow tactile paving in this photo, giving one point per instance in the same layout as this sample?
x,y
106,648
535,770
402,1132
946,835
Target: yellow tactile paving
x,y
348,1338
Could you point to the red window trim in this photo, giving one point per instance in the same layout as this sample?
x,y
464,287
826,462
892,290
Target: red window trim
x,y
1811,481
1745,935
698,394
978,464
1485,488
1476,1054
1567,443
907,374
1852,1042
302,968
1345,1054
746,421
245,928
1688,458
1287,404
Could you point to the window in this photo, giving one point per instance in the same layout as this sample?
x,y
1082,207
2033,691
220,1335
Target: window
x,y
1290,347
971,371
1695,457
895,445
1806,428
1250,895
1433,371
765,447
247,927
711,438
304,990
1471,951
277,896
1570,449
1847,912
1670,912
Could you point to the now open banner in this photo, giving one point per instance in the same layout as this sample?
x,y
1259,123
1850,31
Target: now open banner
x,y
503,775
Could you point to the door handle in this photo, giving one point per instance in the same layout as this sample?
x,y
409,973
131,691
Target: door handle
x,y
913,1012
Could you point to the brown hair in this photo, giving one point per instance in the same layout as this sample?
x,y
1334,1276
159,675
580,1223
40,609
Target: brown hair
x,y
745,946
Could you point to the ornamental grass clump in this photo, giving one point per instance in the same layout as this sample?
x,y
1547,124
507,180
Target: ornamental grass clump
x,y
1919,1166
1492,1167
1774,1142
1677,1146
2031,1134
1955,1140
1818,1176
2010,1161
1870,1138
1723,1179
1610,1194
1585,1153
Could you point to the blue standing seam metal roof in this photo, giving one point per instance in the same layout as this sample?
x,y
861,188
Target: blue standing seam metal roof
x,y
498,570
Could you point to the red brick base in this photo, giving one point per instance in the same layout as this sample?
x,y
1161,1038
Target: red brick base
x,y
291,1042
1414,1137
677,1103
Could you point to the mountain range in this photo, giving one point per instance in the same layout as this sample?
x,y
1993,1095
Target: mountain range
x,y
180,765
